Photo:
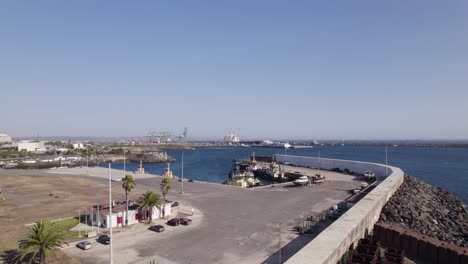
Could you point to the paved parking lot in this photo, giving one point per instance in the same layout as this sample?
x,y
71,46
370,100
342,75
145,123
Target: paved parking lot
x,y
231,225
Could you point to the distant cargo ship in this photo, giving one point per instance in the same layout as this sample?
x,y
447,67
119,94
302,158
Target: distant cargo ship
x,y
271,144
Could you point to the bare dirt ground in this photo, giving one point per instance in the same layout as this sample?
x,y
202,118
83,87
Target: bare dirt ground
x,y
32,195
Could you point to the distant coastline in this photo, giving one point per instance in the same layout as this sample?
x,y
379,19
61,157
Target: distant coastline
x,y
457,143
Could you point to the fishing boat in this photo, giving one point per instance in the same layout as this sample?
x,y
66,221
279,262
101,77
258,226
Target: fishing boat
x,y
318,178
301,181
241,178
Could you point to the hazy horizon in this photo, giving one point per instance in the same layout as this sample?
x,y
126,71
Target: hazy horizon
x,y
274,70
195,139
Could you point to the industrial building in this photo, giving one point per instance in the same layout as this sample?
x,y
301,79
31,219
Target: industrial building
x,y
4,139
31,146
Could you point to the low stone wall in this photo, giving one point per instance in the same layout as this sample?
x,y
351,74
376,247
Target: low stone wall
x,y
330,245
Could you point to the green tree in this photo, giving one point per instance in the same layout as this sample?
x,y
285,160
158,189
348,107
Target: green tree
x,y
128,183
149,200
43,238
165,187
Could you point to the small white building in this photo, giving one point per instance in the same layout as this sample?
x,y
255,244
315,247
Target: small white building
x,y
4,138
78,146
135,214
31,146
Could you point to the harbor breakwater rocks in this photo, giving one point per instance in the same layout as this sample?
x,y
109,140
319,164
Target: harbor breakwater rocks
x,y
428,210
150,157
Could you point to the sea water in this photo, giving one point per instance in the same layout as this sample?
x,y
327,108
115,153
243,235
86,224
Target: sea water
x,y
439,166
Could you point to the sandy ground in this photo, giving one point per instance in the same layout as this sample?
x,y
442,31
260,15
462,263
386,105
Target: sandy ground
x,y
238,225
98,172
31,195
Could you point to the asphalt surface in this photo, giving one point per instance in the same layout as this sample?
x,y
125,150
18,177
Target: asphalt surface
x,y
230,225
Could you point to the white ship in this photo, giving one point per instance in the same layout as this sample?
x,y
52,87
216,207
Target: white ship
x,y
271,144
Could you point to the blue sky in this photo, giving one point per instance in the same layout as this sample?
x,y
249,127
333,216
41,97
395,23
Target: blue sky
x,y
273,69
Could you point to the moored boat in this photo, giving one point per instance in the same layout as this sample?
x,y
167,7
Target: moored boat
x,y
301,181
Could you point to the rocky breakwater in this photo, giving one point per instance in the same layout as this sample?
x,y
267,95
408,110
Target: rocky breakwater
x,y
150,157
428,210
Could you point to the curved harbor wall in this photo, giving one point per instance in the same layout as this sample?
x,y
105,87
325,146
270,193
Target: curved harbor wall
x,y
330,245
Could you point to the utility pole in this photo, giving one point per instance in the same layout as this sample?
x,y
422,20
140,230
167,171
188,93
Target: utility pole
x,y
111,261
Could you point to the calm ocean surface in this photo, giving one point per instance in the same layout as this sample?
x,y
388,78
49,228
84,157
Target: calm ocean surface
x,y
442,167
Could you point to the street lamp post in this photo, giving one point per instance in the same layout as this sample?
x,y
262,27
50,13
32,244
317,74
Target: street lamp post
x,y
87,160
110,217
79,222
182,174
279,243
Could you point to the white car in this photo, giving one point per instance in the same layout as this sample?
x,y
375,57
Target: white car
x,y
116,179
369,174
84,245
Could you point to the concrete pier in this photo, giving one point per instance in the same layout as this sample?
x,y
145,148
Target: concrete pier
x,y
334,242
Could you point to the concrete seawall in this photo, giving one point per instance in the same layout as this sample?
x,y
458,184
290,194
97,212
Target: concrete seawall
x,y
330,245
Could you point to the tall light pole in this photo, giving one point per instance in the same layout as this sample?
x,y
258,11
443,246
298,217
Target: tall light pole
x,y
87,160
124,163
386,161
111,261
182,174
79,222
98,218
279,242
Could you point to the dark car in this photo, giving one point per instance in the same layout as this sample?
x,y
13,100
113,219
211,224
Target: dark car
x,y
190,180
84,245
157,228
174,204
185,221
105,239
174,222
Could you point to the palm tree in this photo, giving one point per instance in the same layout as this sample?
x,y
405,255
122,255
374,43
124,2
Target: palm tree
x,y
43,238
128,183
165,187
149,200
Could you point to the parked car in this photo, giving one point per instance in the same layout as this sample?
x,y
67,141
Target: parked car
x,y
174,222
116,179
84,245
157,228
185,221
104,239
190,180
174,204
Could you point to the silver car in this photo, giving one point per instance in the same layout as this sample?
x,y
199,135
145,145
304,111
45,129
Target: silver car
x,y
84,245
